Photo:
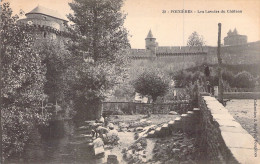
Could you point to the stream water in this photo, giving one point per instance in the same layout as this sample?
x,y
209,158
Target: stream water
x,y
57,144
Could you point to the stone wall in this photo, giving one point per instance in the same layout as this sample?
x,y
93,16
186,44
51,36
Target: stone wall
x,y
222,139
180,107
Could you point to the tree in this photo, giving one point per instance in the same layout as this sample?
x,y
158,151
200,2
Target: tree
x,y
196,40
244,80
151,83
23,76
58,79
99,25
100,37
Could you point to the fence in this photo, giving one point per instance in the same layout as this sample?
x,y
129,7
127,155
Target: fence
x,y
180,106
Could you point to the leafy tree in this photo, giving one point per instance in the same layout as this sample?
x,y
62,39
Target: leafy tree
x,y
99,23
196,40
58,78
244,80
150,83
23,76
98,47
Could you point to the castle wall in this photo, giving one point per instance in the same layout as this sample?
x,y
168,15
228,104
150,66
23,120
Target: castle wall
x,y
47,21
46,29
178,58
235,40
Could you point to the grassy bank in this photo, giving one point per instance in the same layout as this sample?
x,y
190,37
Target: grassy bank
x,y
241,95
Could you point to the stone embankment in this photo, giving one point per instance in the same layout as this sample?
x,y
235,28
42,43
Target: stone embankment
x,y
224,138
221,138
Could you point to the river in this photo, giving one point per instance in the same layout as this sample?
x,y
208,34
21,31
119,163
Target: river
x,y
57,144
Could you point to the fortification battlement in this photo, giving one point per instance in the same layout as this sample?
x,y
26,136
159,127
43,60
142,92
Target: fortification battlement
x,y
44,28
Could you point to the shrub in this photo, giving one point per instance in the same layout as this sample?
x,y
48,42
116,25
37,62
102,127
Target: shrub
x,y
244,80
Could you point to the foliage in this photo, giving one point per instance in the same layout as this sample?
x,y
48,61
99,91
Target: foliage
x,y
244,80
99,37
122,92
184,78
58,75
151,83
22,83
99,27
195,40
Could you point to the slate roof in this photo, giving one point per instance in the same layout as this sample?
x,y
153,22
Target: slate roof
x,y
48,12
150,35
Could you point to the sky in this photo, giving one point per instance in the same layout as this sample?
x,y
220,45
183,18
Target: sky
x,y
171,28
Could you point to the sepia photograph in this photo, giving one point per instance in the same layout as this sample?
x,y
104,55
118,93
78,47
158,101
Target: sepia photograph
x,y
129,81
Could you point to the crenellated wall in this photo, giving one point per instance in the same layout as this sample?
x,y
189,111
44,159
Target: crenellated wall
x,y
182,58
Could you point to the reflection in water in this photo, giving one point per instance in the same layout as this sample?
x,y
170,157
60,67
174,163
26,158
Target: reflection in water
x,y
52,144
57,144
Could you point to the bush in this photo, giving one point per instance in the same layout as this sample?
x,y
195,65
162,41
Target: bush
x,y
244,80
151,83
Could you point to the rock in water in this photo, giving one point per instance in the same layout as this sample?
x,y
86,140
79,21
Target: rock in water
x,y
101,120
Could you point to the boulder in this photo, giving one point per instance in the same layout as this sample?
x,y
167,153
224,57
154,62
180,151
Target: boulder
x,y
143,120
139,129
123,125
173,113
123,129
129,154
101,120
110,125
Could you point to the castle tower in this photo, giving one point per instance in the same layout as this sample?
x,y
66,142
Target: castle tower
x,y
150,42
49,23
233,38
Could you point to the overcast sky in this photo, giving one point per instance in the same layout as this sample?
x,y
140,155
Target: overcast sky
x,y
173,29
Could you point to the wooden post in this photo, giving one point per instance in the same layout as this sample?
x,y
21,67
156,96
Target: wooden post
x,y
1,106
220,81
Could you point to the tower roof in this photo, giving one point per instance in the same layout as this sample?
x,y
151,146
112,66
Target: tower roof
x,y
48,12
150,35
235,31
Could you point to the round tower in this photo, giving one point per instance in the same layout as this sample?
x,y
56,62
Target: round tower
x,y
48,24
150,42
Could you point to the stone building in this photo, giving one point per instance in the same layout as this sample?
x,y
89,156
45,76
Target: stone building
x,y
150,43
233,38
49,26
46,24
